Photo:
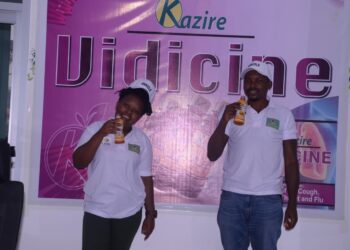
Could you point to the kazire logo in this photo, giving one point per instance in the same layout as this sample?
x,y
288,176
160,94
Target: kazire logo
x,y
169,15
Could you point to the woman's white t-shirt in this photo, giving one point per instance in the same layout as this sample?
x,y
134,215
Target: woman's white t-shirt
x,y
114,188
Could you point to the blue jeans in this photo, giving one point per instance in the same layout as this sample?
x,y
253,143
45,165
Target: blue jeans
x,y
249,219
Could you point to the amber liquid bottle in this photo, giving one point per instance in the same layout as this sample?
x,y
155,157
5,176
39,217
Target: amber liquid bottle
x,y
119,135
239,118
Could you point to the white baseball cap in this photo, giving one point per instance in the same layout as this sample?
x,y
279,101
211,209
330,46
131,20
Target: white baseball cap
x,y
261,67
146,85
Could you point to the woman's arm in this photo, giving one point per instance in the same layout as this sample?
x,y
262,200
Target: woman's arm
x,y
84,154
150,215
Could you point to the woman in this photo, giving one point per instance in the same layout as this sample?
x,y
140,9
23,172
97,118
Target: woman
x,y
119,175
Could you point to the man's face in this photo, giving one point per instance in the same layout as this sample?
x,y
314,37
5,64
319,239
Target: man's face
x,y
130,109
256,86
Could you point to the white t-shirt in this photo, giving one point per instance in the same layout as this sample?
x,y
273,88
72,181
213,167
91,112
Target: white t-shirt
x,y
254,162
114,188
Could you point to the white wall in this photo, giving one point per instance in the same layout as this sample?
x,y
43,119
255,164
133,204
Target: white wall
x,y
50,225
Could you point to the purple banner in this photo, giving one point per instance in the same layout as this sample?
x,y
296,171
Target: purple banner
x,y
194,54
315,195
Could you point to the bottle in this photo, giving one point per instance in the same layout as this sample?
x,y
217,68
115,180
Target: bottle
x,y
239,118
119,135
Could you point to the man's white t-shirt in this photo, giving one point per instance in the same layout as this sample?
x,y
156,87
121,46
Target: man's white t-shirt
x,y
114,188
254,162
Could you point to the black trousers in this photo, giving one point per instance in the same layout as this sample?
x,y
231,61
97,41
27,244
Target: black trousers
x,y
109,234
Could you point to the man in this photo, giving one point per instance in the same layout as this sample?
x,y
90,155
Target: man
x,y
250,210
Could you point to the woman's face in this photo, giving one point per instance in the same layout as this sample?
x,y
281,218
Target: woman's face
x,y
130,108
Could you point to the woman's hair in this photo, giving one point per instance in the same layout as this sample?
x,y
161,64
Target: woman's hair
x,y
141,94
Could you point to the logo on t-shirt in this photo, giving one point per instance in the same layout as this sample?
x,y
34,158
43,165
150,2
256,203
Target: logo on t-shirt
x,y
106,140
134,148
273,123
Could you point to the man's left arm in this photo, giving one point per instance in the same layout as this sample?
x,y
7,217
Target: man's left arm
x,y
292,181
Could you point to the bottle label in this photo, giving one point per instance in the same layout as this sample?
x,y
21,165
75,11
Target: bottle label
x,y
119,135
239,118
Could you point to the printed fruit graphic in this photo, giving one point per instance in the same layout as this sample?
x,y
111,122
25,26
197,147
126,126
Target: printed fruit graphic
x,y
179,135
64,180
312,153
